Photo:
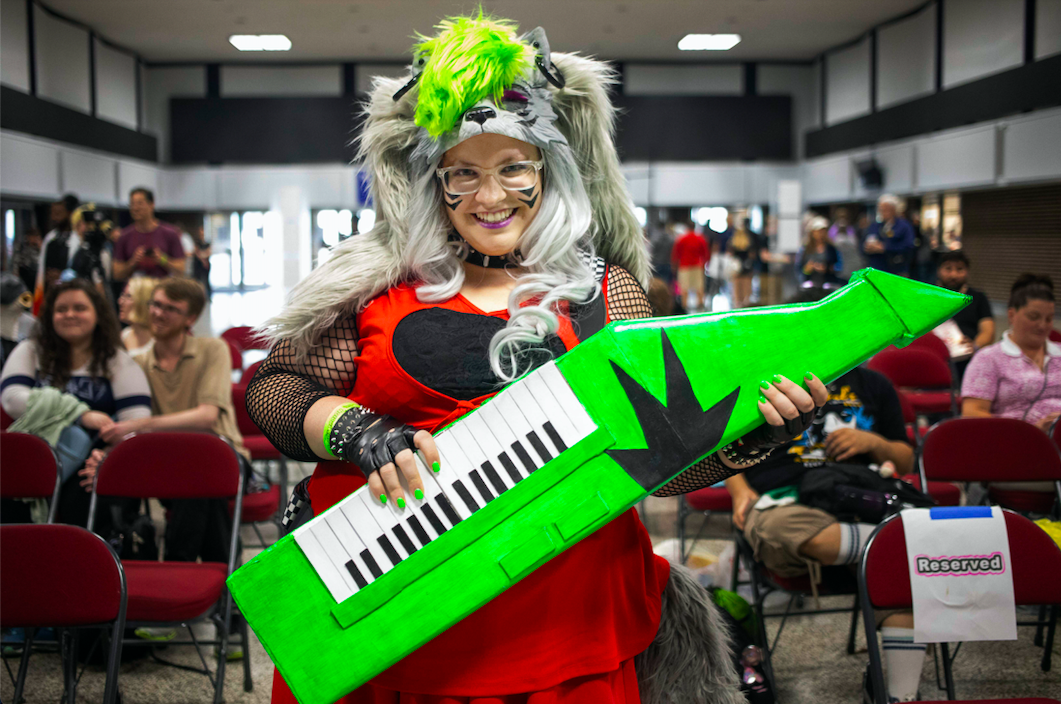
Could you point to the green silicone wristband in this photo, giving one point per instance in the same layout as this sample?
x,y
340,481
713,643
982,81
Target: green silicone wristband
x,y
339,410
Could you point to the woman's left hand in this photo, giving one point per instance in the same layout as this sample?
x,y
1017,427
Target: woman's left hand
x,y
788,405
95,420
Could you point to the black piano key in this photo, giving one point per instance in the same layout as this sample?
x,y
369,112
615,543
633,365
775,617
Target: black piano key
x,y
506,462
433,519
418,529
491,474
481,486
539,446
373,567
466,496
356,574
385,543
403,537
554,436
524,456
447,508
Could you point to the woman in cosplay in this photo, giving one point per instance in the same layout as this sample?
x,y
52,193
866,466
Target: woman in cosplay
x,y
504,235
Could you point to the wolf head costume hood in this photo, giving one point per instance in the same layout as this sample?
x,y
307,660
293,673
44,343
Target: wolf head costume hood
x,y
476,76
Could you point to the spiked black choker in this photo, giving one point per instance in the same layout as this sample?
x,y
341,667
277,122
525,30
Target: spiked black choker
x,y
471,255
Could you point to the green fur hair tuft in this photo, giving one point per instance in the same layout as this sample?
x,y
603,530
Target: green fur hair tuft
x,y
470,59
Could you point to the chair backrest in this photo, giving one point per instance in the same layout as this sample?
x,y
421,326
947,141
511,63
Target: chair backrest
x,y
243,419
912,368
245,338
988,449
235,355
1055,336
249,372
58,575
1034,556
909,415
934,344
29,469
170,466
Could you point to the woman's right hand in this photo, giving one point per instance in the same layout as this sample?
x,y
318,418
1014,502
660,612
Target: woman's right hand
x,y
96,420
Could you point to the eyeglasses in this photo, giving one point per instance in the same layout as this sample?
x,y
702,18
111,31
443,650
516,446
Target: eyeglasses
x,y
167,310
517,176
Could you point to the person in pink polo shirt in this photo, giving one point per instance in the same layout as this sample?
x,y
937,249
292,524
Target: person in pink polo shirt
x,y
147,247
1020,376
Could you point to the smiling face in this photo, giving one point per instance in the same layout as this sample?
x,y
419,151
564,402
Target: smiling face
x,y
492,219
74,318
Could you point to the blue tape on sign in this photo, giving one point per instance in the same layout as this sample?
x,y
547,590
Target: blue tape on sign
x,y
943,513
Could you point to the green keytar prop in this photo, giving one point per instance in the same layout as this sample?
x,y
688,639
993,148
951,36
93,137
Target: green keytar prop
x,y
663,392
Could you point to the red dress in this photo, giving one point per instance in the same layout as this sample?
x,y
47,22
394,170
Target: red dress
x,y
566,634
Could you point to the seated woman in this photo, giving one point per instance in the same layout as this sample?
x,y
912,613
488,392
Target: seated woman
x,y
1019,376
133,311
75,348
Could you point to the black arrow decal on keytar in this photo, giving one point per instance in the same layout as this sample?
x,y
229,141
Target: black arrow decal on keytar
x,y
677,433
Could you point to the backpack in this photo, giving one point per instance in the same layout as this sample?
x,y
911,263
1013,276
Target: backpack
x,y
856,493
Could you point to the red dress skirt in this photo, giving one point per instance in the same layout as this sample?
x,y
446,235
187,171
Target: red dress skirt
x,y
567,633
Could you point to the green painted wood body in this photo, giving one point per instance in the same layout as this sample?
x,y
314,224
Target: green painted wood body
x,y
325,650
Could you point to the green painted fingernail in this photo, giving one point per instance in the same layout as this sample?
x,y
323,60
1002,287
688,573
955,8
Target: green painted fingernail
x,y
401,503
419,495
762,399
777,378
383,498
764,384
808,375
434,467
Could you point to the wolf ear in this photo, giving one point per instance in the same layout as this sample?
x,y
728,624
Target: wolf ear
x,y
586,116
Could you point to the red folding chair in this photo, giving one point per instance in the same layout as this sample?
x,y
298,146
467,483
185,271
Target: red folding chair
x,y
261,506
249,373
884,583
1055,336
244,338
30,470
38,563
932,343
172,594
993,450
707,501
921,375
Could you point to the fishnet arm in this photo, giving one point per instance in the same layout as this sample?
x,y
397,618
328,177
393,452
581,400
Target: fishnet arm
x,y
283,390
628,301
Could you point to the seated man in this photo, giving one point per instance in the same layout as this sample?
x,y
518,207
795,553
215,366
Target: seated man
x,y
191,391
860,424
973,327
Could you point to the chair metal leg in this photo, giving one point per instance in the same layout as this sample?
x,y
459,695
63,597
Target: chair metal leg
x,y
683,513
261,538
1048,650
68,651
855,612
248,682
1039,627
222,657
23,665
114,660
948,672
736,567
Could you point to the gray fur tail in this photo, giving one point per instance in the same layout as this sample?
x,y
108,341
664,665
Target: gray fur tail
x,y
690,660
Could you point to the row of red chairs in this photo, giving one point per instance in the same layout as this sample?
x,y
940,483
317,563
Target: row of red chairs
x,y
36,560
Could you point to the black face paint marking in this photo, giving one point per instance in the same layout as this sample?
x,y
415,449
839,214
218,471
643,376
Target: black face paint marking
x,y
528,191
455,203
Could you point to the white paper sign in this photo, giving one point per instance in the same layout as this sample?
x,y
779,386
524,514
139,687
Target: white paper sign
x,y
960,575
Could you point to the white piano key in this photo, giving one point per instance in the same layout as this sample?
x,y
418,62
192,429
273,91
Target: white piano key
x,y
365,527
472,477
567,399
521,427
386,518
557,417
350,542
491,432
532,410
454,466
414,506
317,557
336,553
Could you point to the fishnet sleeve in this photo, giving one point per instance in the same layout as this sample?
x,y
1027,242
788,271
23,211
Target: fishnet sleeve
x,y
628,301
283,390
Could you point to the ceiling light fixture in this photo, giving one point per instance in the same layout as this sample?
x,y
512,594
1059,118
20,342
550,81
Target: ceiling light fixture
x,y
708,42
260,42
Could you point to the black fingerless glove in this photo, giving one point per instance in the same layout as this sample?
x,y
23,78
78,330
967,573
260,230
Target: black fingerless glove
x,y
757,444
369,440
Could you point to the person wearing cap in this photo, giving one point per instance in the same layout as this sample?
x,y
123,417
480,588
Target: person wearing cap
x,y
504,236
889,241
819,262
